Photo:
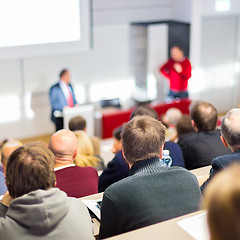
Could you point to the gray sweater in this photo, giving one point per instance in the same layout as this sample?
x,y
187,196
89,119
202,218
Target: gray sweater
x,y
45,215
150,195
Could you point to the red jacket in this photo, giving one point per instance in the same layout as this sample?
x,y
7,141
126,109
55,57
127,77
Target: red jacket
x,y
178,81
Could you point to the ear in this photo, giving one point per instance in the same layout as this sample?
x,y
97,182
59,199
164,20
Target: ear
x,y
224,141
194,126
129,164
75,153
161,152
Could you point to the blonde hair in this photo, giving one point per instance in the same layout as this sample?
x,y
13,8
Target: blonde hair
x,y
222,201
85,157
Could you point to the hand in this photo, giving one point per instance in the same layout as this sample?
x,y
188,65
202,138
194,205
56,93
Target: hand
x,y
7,199
177,67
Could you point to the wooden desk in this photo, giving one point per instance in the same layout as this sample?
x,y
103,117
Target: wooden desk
x,y
168,230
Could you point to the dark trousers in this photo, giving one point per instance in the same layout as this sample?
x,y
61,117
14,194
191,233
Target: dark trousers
x,y
58,123
182,94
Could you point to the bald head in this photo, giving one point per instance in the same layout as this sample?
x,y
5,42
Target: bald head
x,y
7,149
64,146
230,128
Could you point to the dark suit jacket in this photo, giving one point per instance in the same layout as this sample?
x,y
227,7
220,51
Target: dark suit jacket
x,y
116,170
150,195
200,148
220,163
58,99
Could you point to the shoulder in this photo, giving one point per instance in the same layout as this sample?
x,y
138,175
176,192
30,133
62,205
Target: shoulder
x,y
55,86
226,159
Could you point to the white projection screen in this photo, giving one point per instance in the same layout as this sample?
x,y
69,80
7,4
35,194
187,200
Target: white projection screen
x,y
31,28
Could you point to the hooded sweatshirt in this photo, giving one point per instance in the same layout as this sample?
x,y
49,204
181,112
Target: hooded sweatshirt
x,y
47,214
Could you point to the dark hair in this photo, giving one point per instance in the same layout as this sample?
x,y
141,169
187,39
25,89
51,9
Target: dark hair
x,y
117,132
142,138
204,115
63,72
77,123
29,168
144,111
230,127
184,125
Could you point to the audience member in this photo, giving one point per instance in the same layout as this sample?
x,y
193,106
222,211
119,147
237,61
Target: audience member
x,y
221,199
117,169
143,111
79,123
75,181
173,148
85,157
151,193
170,120
201,147
7,148
33,208
184,127
230,135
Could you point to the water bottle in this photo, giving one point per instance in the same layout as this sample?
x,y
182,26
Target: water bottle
x,y
166,160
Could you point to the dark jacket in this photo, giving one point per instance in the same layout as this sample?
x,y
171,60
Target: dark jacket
x,y
151,194
220,163
116,170
200,148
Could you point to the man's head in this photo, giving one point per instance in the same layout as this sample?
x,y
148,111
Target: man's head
x,y
77,123
144,111
30,168
142,138
7,149
172,116
117,145
184,125
177,53
65,76
63,144
204,116
230,129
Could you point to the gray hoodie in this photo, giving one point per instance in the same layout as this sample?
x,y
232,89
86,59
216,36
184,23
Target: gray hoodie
x,y
46,215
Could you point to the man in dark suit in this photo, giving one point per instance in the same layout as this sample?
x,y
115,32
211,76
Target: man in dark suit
x,y
151,193
230,130
205,144
61,95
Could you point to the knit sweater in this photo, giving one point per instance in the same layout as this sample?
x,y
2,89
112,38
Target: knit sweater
x,y
150,194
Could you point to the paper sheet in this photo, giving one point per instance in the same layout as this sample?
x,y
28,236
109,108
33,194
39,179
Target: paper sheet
x,y
196,226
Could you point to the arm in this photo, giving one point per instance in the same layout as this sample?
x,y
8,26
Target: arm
x,y
5,204
186,72
109,218
216,167
165,69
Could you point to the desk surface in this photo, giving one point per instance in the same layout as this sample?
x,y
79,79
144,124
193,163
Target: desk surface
x,y
168,230
199,172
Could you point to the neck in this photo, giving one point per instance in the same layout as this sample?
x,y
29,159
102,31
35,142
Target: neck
x,y
59,162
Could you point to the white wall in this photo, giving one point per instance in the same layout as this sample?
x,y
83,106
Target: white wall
x,y
108,61
215,54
